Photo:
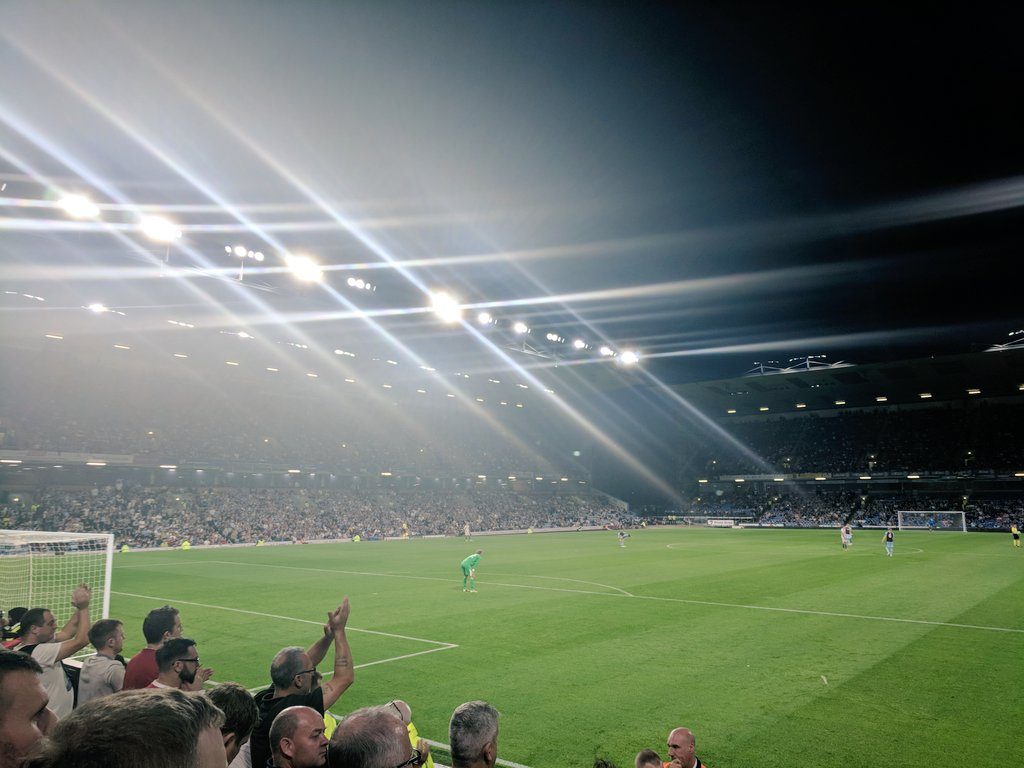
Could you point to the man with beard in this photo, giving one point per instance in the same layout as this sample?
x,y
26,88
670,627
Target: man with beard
x,y
177,661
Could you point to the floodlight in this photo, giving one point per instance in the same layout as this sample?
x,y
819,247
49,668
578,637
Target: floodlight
x,y
629,357
351,282
606,352
360,283
259,256
579,344
97,308
160,229
78,207
239,251
484,318
446,307
304,268
520,327
244,335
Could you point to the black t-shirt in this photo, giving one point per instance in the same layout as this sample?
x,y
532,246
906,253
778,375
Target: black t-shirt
x,y
269,707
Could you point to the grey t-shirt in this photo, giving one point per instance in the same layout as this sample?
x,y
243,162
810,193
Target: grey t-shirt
x,y
101,675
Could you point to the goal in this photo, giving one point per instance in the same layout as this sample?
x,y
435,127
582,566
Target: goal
x,y
933,520
40,569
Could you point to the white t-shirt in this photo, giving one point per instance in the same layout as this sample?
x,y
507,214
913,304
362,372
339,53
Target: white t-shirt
x,y
55,681
101,675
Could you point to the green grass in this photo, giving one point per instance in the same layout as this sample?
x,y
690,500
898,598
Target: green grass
x,y
588,649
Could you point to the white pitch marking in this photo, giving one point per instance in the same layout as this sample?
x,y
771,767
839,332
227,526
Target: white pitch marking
x,y
635,597
577,581
168,600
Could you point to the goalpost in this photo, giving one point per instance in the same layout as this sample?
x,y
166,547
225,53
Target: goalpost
x,y
40,569
932,519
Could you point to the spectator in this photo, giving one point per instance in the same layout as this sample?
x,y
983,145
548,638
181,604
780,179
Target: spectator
x,y
297,739
137,729
647,758
12,627
403,712
159,625
681,746
371,738
40,639
473,735
24,716
102,673
179,666
293,673
240,715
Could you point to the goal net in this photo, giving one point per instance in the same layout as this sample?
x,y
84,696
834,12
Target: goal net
x,y
40,569
932,520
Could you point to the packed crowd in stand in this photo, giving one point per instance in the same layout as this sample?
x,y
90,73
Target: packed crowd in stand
x,y
153,517
153,710
814,510
989,436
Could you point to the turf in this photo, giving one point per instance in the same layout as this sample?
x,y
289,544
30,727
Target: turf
x,y
591,650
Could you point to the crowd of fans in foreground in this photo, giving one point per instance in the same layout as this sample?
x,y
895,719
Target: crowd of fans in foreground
x,y
152,711
154,517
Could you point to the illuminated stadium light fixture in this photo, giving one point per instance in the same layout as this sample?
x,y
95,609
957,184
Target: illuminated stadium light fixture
x,y
385,474
387,386
244,335
864,477
484,318
702,481
481,477
159,229
801,405
763,408
343,352
391,362
450,395
564,479
973,391
230,362
629,357
273,370
523,386
821,478
913,477
10,461
779,479
551,336
579,344
925,395
503,402
360,283
422,391
351,282
519,405
881,399
538,478
520,327
549,391
180,323
446,307
97,308
168,466
238,250
350,381
181,355
427,368
53,336
731,411
494,381
95,463
294,471
840,402
1018,474
313,375
78,207
740,479
1020,387
121,346
304,268
511,477
606,351
479,399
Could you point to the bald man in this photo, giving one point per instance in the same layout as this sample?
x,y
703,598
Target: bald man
x,y
680,750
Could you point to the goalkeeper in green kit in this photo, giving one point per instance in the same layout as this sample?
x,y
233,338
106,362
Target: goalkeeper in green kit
x,y
469,571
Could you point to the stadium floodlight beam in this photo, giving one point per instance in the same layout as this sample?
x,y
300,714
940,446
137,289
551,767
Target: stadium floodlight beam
x,y
484,318
97,308
446,307
78,207
520,327
159,229
606,351
579,344
304,268
629,357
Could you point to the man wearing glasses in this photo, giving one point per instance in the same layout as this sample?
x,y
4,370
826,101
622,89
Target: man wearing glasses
x,y
179,667
373,738
293,672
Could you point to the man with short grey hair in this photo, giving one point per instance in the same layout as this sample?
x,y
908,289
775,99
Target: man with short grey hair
x,y
473,735
373,738
297,739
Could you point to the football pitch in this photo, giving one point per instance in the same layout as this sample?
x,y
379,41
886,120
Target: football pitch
x,y
777,648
